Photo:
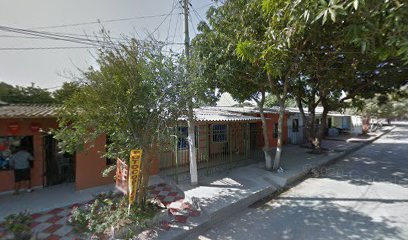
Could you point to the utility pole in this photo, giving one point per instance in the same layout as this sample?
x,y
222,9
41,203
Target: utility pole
x,y
186,32
190,121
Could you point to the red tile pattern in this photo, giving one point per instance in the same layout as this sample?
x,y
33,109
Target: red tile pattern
x,y
53,224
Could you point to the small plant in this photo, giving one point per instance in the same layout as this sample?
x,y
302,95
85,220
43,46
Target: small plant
x,y
19,224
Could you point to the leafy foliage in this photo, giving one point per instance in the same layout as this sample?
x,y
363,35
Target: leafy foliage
x,y
19,223
17,94
108,211
132,97
67,90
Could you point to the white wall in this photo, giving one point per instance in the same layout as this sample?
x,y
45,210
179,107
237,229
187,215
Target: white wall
x,y
356,124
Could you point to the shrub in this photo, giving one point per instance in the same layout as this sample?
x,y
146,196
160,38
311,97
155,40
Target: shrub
x,y
19,225
108,211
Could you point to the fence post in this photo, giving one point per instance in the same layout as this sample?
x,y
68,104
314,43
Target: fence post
x,y
229,142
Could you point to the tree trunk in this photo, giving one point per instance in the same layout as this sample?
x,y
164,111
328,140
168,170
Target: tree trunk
x,y
266,148
303,115
317,143
311,126
279,144
192,148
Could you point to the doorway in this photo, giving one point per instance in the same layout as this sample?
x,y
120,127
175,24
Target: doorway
x,y
58,167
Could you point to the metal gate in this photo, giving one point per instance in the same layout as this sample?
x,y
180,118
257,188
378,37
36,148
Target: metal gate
x,y
219,146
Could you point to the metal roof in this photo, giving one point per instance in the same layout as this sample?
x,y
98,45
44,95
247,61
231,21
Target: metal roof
x,y
248,110
207,114
28,111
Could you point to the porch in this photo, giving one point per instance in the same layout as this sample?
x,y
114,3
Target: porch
x,y
219,146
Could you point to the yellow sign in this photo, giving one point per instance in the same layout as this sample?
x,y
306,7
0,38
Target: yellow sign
x,y
134,172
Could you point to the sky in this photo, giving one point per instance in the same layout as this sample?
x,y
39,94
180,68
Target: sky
x,y
49,68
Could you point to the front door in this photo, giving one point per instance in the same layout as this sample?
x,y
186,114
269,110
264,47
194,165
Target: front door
x,y
59,167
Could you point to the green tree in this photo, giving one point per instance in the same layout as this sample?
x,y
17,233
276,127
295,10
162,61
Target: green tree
x,y
67,90
272,101
132,97
276,49
220,67
389,107
341,60
17,94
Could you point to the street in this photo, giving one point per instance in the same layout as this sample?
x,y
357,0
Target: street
x,y
364,196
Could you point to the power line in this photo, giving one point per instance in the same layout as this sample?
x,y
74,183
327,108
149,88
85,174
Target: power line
x,y
171,18
61,37
192,25
42,48
99,21
51,35
207,5
197,14
171,12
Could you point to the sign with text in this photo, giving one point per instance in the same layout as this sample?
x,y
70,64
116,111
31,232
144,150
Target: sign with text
x,y
134,173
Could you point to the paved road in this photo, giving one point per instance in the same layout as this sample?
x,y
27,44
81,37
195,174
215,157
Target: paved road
x,y
364,196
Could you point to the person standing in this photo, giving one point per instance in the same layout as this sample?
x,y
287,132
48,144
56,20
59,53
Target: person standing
x,y
20,161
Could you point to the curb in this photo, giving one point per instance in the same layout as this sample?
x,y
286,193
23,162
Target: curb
x,y
212,219
352,150
217,217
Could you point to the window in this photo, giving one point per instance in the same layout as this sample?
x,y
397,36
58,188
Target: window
x,y
295,125
219,132
10,145
275,131
182,134
109,161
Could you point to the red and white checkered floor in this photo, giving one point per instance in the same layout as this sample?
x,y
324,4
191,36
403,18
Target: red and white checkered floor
x,y
53,224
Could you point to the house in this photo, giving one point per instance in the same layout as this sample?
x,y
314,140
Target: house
x,y
28,125
224,136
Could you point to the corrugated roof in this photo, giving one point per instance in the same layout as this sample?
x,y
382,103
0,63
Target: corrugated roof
x,y
248,110
206,114
28,111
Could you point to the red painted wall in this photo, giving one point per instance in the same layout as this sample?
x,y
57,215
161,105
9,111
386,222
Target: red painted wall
x,y
90,165
7,176
273,118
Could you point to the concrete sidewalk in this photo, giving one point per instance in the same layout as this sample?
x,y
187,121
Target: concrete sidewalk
x,y
226,193
57,196
220,196
47,198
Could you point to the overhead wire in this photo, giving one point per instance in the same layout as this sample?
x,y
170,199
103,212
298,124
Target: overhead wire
x,y
100,21
40,48
161,23
84,39
176,26
197,14
62,37
192,24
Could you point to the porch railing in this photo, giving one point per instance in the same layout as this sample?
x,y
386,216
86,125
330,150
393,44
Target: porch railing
x,y
240,143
